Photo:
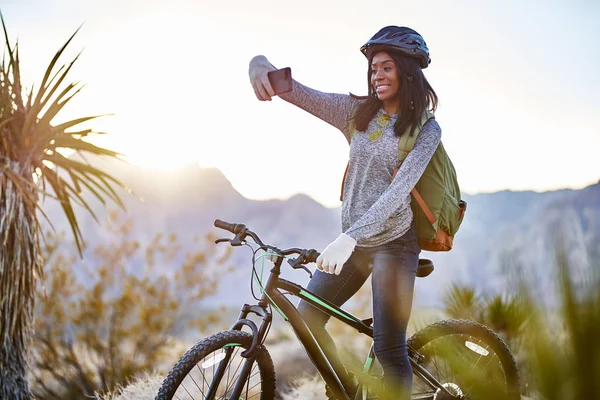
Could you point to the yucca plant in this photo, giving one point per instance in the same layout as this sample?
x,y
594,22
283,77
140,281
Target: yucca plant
x,y
507,316
564,352
463,301
31,167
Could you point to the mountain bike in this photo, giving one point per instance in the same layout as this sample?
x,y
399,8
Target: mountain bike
x,y
451,359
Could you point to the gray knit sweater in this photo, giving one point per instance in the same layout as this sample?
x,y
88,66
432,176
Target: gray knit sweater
x,y
375,210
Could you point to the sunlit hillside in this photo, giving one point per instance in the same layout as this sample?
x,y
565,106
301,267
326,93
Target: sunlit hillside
x,y
497,226
506,236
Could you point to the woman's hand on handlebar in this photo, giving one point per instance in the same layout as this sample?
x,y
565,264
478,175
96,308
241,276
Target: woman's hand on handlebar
x,y
257,71
240,231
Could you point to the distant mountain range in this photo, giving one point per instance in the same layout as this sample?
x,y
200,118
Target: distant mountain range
x,y
498,227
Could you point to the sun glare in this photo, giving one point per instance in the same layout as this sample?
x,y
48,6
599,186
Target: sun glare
x,y
160,162
178,99
151,152
145,143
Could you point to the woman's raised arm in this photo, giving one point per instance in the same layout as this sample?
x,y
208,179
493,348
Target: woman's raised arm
x,y
333,108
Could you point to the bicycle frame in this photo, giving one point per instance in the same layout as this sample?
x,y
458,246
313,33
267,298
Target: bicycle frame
x,y
273,294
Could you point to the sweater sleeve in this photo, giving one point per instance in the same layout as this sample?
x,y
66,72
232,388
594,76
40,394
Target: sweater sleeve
x,y
333,108
397,195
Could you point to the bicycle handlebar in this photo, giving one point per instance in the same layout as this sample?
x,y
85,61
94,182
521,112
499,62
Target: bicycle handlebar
x,y
240,230
233,228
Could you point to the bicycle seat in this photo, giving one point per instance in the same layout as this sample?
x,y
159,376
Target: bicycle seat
x,y
425,267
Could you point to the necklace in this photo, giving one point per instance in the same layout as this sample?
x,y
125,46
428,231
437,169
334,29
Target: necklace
x,y
382,121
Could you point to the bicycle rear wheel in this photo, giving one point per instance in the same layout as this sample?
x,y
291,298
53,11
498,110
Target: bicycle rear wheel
x,y
210,370
468,359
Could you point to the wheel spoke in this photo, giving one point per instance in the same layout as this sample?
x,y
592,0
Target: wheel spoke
x,y
435,362
189,394
481,372
252,375
462,357
460,343
255,385
231,386
193,380
203,375
255,394
228,383
216,355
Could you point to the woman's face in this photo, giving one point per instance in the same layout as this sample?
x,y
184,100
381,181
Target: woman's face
x,y
384,77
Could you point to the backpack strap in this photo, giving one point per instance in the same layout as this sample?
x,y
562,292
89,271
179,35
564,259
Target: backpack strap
x,y
405,146
407,142
423,206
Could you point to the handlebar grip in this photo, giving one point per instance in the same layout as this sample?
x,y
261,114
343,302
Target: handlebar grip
x,y
233,228
222,224
312,255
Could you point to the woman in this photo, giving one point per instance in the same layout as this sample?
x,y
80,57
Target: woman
x,y
377,220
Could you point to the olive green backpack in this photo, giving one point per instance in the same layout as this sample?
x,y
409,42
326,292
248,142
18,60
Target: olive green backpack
x,y
436,203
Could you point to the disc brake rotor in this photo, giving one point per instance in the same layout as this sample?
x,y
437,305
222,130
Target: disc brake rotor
x,y
453,388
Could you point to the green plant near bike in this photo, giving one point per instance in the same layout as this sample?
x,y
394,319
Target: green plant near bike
x,y
451,359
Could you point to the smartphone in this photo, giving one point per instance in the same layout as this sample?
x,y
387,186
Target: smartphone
x,y
281,80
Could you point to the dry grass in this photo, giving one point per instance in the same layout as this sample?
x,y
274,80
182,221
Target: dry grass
x,y
305,388
296,376
144,388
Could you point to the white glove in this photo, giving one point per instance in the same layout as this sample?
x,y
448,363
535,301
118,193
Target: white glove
x,y
257,72
333,258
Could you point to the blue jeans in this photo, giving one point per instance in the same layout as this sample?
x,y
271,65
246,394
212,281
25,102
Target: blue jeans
x,y
394,267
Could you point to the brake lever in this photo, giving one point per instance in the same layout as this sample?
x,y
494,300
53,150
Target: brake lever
x,y
296,263
236,241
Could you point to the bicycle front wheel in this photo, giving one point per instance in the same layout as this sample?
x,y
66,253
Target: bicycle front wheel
x,y
211,370
468,359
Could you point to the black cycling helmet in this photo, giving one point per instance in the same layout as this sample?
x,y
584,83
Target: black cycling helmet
x,y
399,38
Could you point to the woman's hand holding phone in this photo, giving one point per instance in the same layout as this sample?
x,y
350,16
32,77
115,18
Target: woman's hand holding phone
x,y
266,80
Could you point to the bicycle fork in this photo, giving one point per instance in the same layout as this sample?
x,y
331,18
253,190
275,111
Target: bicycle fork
x,y
249,354
216,381
239,384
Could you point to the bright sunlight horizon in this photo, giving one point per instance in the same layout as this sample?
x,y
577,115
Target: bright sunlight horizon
x,y
517,82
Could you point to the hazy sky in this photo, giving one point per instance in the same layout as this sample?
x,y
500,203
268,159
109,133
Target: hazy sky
x,y
518,84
